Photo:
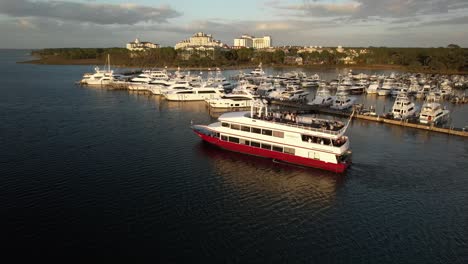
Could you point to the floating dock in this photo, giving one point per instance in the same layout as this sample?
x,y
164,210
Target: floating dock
x,y
378,119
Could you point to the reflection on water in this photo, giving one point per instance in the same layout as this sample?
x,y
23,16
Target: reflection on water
x,y
193,107
261,176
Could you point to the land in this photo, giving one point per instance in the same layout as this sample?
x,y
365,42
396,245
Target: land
x,y
424,60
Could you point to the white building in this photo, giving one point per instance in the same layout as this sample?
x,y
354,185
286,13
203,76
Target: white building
x,y
141,45
340,49
200,41
247,41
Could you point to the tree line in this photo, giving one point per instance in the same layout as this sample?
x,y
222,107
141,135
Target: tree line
x,y
451,58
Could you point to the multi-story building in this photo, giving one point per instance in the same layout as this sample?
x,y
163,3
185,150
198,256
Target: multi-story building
x,y
200,41
141,45
247,41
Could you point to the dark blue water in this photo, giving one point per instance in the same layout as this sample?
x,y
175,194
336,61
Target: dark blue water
x,y
113,174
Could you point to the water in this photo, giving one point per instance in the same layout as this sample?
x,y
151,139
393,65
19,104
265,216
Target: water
x,y
92,172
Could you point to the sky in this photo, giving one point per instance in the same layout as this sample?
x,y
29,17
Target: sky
x,y
349,23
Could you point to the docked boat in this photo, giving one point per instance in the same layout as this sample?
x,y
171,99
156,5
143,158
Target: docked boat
x,y
342,101
194,94
282,137
373,87
240,97
432,113
387,87
358,88
403,107
99,77
322,97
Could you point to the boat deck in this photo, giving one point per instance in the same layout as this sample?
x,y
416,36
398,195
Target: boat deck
x,y
304,122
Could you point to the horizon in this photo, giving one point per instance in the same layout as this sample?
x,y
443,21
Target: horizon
x,y
328,23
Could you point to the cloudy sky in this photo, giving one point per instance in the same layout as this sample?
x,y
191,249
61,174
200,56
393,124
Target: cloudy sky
x,y
111,23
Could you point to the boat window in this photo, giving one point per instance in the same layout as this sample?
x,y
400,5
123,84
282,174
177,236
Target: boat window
x,y
244,142
225,138
236,127
256,130
289,150
245,128
278,148
225,124
255,144
411,108
278,134
185,92
206,92
234,139
266,146
266,132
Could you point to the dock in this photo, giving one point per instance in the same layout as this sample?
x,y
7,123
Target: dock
x,y
372,118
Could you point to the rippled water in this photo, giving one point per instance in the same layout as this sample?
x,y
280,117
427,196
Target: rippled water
x,y
87,171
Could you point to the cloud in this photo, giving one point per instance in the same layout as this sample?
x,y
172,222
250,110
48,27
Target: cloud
x,y
105,14
358,9
316,8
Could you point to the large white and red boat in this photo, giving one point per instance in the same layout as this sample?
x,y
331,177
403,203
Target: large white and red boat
x,y
287,137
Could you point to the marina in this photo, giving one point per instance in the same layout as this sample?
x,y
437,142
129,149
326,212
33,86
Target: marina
x,y
285,90
95,170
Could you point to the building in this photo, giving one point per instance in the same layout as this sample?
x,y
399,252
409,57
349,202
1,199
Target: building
x,y
247,41
141,45
200,41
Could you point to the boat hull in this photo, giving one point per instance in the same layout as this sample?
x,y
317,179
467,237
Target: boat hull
x,y
337,168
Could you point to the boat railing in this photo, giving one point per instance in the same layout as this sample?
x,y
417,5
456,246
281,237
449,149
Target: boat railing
x,y
326,128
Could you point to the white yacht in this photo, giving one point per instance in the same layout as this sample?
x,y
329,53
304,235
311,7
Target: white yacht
x,y
194,94
219,79
414,88
322,97
290,93
99,77
373,87
342,101
239,97
258,71
434,96
403,107
357,88
387,87
160,88
424,91
432,113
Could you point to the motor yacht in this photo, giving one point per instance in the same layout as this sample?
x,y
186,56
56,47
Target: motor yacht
x,y
432,113
343,101
403,108
322,97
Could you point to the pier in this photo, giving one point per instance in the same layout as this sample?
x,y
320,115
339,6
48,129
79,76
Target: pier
x,y
372,118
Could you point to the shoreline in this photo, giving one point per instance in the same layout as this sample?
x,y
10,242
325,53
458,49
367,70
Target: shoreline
x,y
99,62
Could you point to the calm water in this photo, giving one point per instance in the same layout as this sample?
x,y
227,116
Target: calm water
x,y
92,172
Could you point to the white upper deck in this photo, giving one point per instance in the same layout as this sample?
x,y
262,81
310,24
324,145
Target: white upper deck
x,y
296,124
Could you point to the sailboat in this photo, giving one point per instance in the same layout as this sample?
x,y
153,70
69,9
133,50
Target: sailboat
x,y
99,77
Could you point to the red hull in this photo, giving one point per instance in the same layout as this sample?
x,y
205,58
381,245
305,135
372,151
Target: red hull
x,y
338,168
